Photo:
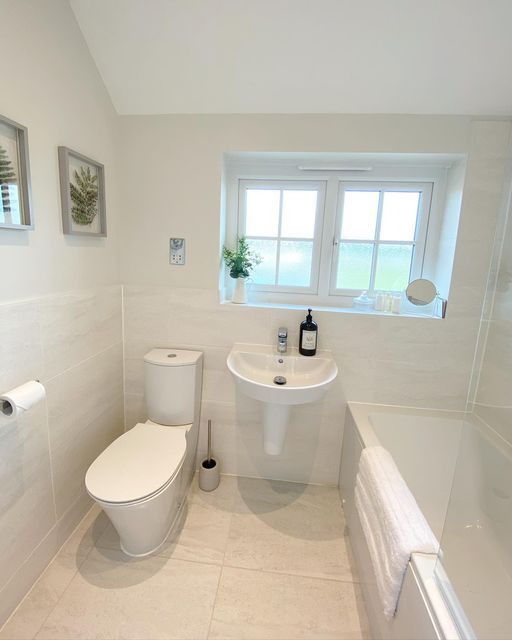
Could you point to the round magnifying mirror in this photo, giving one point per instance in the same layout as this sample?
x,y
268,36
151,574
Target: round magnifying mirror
x,y
421,292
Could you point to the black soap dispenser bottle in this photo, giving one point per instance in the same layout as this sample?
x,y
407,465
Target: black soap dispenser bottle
x,y
308,336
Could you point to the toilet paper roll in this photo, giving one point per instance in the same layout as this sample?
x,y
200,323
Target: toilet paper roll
x,y
21,399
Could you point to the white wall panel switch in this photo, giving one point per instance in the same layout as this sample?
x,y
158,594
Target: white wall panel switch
x,y
177,251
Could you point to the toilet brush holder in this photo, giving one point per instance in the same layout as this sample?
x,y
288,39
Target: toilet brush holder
x,y
209,472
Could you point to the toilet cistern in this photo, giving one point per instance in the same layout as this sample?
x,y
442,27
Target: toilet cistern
x,y
282,340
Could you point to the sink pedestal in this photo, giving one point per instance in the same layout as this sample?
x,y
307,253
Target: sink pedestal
x,y
279,381
275,424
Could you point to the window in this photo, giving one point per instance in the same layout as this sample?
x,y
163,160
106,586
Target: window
x,y
326,234
283,223
380,236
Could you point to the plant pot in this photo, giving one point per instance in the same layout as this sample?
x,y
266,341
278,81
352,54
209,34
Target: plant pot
x,y
240,293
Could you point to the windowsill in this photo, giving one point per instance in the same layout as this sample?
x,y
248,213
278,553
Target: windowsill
x,y
346,310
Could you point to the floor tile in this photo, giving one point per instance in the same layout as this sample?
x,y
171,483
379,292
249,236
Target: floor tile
x,y
202,531
257,605
46,592
203,536
294,529
200,535
222,497
259,496
154,598
278,546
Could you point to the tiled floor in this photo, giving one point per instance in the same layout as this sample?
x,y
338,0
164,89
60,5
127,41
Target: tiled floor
x,y
255,559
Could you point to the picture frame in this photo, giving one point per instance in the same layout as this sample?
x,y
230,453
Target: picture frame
x,y
82,190
15,189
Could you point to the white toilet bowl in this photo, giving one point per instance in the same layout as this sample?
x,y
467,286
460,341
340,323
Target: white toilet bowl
x,y
138,482
141,479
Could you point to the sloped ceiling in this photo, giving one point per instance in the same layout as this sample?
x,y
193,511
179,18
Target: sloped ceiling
x,y
302,56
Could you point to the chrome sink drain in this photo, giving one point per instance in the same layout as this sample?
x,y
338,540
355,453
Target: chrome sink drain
x,y
280,380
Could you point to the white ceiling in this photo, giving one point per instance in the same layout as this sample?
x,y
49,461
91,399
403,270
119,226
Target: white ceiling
x,y
302,56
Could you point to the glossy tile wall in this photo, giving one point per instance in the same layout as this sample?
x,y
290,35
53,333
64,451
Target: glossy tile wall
x,y
193,318
72,343
493,379
384,359
391,360
479,519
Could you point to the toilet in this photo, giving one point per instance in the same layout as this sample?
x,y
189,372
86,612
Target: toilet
x,y
141,480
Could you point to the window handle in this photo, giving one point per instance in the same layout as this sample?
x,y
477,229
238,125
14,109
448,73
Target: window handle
x,y
335,242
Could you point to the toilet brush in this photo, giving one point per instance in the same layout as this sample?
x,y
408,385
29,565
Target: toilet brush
x,y
209,474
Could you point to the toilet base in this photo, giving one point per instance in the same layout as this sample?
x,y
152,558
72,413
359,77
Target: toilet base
x,y
175,522
144,526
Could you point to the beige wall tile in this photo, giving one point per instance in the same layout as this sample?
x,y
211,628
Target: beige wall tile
x,y
86,441
27,511
134,410
85,412
78,325
21,356
72,342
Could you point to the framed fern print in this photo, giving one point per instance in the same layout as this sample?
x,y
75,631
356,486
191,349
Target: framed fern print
x,y
82,189
15,200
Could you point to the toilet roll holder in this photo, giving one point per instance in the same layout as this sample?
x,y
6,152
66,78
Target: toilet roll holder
x,y
8,405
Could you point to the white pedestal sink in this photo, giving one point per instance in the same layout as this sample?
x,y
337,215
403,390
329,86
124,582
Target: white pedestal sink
x,y
258,370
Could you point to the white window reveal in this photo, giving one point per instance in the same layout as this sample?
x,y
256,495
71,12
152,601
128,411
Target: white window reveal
x,y
327,234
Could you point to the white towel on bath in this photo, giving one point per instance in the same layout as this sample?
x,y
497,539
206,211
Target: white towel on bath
x,y
393,525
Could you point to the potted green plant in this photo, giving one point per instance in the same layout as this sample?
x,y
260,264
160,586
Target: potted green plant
x,y
240,263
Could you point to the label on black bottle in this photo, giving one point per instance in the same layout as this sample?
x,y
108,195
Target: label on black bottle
x,y
309,340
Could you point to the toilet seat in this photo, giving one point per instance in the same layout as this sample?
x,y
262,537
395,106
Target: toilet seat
x,y
138,464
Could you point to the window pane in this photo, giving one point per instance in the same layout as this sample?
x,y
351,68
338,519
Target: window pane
x,y
265,272
393,266
262,217
354,265
399,213
359,215
299,213
295,261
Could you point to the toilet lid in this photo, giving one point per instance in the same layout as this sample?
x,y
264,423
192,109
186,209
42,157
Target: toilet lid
x,y
137,464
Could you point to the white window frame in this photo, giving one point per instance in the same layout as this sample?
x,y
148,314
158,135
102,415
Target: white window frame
x,y
420,234
286,185
387,169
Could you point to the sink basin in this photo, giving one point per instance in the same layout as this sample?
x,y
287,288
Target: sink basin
x,y
254,368
279,381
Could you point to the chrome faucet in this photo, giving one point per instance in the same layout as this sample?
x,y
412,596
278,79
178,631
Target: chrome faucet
x,y
282,340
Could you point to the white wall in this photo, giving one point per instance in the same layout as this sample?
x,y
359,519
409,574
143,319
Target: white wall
x,y
171,170
53,88
60,297
447,240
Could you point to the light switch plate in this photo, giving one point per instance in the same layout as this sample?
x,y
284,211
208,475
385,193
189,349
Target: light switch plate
x,y
177,251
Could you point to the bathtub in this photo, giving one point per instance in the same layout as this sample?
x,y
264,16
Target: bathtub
x,y
477,536
425,446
